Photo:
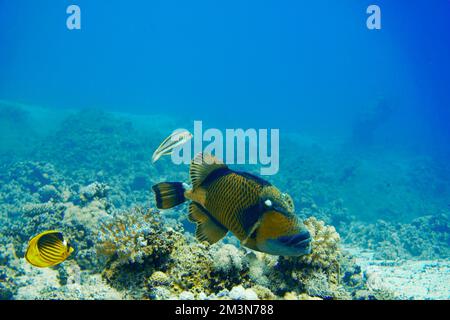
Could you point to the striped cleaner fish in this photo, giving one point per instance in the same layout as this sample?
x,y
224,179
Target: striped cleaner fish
x,y
48,249
177,138
223,200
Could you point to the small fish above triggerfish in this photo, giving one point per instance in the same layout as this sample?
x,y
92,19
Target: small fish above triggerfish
x,y
176,139
48,249
223,200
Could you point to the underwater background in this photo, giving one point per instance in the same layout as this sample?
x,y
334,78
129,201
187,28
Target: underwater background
x,y
364,144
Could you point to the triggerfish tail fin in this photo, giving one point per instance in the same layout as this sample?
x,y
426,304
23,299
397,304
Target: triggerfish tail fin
x,y
169,194
208,229
202,166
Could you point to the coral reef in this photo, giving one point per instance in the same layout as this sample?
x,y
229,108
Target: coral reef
x,y
18,135
316,274
93,146
426,237
159,262
89,175
45,284
49,202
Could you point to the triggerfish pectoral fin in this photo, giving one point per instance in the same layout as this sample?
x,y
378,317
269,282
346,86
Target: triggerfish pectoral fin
x,y
208,229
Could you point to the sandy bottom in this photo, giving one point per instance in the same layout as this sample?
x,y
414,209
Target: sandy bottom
x,y
406,279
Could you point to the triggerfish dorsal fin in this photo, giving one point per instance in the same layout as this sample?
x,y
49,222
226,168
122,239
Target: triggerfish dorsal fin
x,y
202,166
208,229
254,178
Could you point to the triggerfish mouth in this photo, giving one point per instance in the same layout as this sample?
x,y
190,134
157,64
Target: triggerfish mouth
x,y
223,200
48,249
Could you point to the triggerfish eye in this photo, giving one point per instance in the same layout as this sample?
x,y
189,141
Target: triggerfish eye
x,y
48,249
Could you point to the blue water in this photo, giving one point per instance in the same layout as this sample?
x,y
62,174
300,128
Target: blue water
x,y
363,114
306,67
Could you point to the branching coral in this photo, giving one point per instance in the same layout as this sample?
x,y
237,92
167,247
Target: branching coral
x,y
135,244
190,267
317,273
93,190
127,236
159,262
228,259
325,245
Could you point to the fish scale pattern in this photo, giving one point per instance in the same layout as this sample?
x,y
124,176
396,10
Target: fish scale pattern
x,y
228,196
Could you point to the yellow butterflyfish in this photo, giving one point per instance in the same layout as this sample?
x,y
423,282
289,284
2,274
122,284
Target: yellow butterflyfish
x,y
48,249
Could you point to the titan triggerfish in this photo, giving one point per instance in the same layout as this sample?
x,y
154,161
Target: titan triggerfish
x,y
223,200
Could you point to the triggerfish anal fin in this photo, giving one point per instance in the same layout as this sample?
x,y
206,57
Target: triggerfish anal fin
x,y
202,166
176,139
208,229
